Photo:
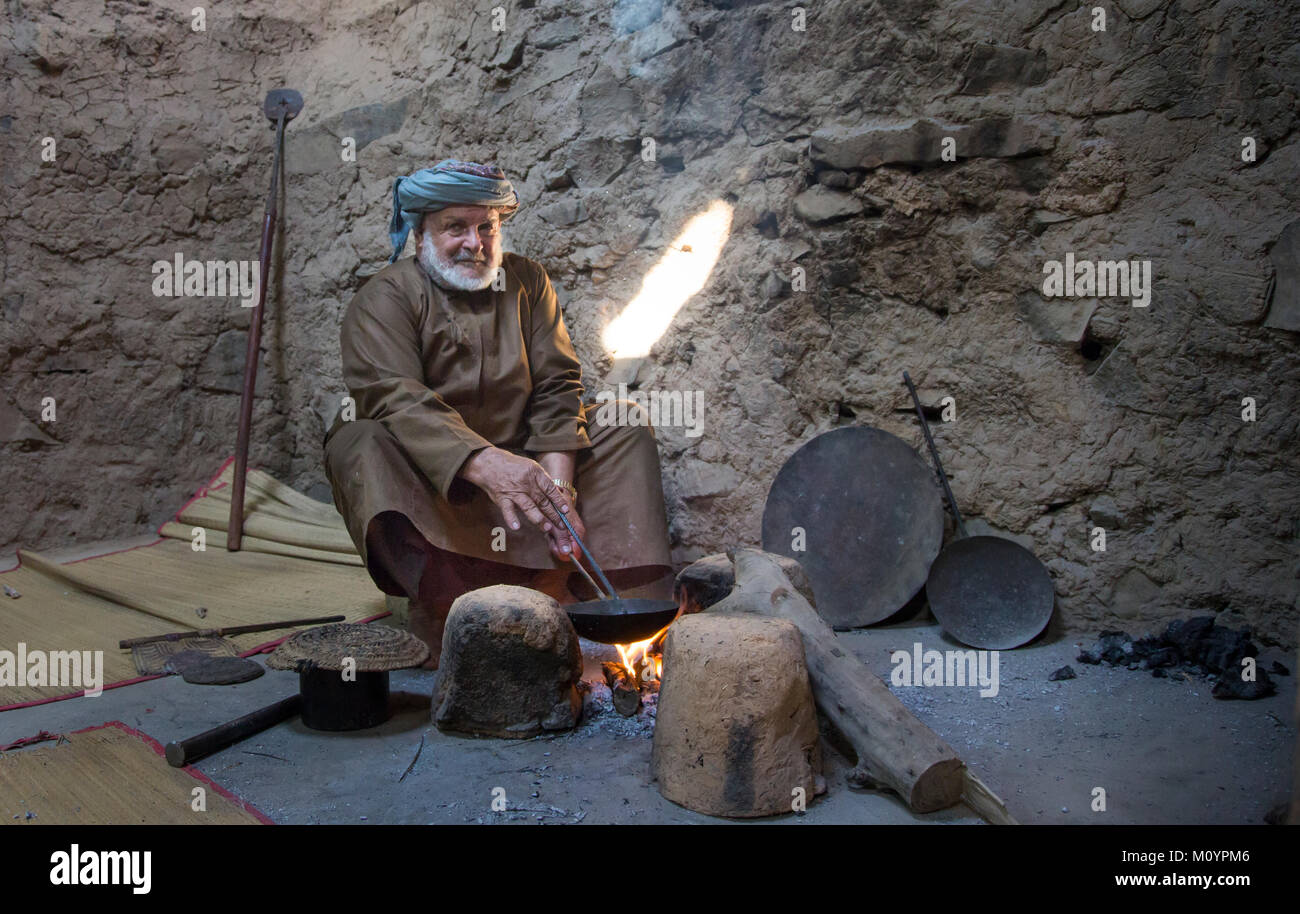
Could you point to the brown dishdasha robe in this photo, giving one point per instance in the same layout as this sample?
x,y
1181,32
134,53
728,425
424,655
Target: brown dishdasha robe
x,y
437,374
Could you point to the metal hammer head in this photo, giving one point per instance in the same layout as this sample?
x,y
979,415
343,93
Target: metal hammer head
x,y
282,101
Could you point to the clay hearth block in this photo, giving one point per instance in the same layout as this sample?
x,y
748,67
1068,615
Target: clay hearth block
x,y
509,666
736,733
708,580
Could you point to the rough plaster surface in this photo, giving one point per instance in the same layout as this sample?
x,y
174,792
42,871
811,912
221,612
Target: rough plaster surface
x,y
1071,413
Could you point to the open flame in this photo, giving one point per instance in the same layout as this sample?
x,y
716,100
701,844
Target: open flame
x,y
642,662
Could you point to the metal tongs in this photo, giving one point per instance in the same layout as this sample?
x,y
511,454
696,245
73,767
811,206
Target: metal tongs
x,y
604,580
611,619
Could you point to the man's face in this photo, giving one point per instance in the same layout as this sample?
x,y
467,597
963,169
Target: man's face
x,y
462,245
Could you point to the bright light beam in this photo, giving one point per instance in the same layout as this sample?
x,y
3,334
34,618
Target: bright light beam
x,y
678,275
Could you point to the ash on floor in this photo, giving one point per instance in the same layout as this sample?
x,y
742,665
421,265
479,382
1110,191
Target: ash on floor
x,y
599,715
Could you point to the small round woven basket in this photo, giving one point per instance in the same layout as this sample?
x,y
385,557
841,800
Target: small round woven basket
x,y
373,648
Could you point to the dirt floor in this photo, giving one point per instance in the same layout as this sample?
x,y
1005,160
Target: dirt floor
x,y
1163,750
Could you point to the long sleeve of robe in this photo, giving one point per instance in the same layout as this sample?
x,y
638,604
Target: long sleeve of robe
x,y
438,374
555,416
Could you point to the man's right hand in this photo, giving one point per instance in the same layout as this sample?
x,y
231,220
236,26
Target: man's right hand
x,y
516,484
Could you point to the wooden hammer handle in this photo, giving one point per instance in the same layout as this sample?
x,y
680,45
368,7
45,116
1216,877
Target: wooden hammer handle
x,y
188,751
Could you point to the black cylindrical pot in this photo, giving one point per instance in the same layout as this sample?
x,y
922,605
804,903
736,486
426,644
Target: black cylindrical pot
x,y
330,702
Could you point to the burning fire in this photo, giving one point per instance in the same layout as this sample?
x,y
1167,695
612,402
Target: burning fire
x,y
639,661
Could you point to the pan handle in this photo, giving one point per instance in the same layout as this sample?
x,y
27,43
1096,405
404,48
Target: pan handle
x,y
934,452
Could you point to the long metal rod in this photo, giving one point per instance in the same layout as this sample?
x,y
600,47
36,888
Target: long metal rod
x,y
600,594
229,630
934,452
594,564
235,527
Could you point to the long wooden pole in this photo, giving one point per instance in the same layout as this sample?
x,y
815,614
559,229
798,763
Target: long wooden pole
x,y
235,531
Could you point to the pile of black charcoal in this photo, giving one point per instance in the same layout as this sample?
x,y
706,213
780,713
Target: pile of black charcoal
x,y
1196,647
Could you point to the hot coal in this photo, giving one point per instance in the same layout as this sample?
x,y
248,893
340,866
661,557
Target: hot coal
x,y
1196,646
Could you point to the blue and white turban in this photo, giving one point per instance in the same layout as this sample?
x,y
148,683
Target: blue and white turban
x,y
449,183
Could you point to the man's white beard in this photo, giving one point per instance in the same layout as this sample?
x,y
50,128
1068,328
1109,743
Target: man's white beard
x,y
462,273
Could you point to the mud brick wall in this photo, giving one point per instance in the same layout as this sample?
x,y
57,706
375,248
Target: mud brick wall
x,y
861,244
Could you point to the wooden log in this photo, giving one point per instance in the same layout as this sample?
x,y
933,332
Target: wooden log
x,y
894,749
623,686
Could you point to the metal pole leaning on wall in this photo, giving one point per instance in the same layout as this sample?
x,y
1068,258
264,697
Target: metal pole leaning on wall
x,y
281,106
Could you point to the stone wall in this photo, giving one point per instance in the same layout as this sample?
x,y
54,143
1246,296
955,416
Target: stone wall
x,y
856,251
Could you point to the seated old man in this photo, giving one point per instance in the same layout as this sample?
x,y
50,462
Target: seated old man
x,y
470,435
